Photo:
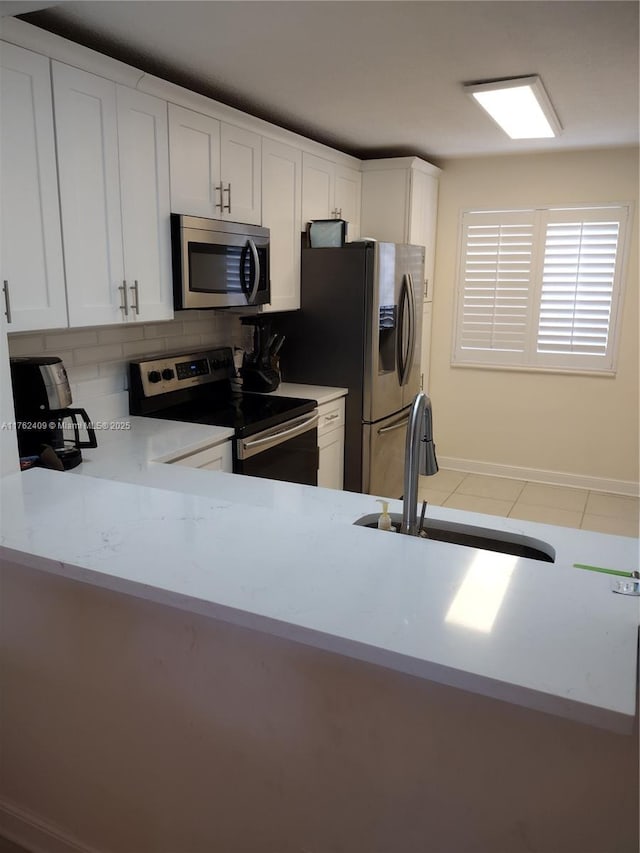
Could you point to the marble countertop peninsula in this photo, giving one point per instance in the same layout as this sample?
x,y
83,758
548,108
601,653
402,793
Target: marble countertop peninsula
x,y
287,559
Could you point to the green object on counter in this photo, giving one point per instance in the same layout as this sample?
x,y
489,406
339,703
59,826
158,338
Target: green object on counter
x,y
606,571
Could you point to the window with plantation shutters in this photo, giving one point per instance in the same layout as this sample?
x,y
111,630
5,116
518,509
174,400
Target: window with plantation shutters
x,y
540,288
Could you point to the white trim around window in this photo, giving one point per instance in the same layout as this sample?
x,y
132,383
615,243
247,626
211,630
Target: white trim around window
x,y
541,288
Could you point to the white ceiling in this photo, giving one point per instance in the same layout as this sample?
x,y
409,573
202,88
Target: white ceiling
x,y
382,77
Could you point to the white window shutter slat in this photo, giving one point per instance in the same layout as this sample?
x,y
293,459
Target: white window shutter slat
x,y
540,288
495,299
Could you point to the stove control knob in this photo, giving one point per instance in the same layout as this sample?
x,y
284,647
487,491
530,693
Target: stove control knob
x,y
167,373
154,376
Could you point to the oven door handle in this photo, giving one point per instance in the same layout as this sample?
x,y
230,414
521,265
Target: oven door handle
x,y
248,447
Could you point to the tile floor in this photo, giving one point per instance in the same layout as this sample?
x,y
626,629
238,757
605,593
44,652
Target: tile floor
x,y
569,507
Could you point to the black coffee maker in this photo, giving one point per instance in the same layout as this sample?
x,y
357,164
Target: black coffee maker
x,y
42,401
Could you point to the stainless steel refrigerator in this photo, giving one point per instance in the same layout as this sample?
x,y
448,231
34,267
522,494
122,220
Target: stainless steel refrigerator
x,y
360,327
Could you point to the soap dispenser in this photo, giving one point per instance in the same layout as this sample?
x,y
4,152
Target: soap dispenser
x,y
384,521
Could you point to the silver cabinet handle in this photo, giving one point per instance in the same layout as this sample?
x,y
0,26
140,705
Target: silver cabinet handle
x,y
125,306
332,417
336,212
217,188
227,190
402,422
135,305
7,300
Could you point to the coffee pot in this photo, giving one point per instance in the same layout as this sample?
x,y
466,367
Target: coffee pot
x,y
42,401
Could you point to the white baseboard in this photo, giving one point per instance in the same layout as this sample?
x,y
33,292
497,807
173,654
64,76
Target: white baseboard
x,y
36,835
537,475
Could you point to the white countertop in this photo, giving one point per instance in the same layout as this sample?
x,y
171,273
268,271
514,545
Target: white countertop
x,y
320,393
287,559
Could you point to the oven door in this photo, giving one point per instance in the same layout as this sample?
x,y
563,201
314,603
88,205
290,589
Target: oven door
x,y
287,452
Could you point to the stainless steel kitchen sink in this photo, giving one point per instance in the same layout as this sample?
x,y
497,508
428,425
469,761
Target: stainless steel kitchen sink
x,y
473,537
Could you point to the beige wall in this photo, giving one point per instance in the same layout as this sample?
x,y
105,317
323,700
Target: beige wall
x,y
563,423
133,727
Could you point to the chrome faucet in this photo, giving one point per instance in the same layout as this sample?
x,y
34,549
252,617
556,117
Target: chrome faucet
x,y
417,460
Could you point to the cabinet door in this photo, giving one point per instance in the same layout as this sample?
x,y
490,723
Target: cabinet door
x,y
87,138
281,206
194,148
347,198
216,458
385,204
331,459
240,169
425,358
331,444
30,237
422,229
318,189
143,143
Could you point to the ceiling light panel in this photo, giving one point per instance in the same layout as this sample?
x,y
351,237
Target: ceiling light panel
x,y
520,106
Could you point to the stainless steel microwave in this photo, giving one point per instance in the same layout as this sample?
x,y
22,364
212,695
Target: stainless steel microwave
x,y
218,264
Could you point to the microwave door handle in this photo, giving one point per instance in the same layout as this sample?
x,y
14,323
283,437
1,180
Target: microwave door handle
x,y
256,272
243,281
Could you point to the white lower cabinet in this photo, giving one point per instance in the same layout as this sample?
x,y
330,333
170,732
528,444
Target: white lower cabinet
x,y
215,458
113,165
31,270
331,444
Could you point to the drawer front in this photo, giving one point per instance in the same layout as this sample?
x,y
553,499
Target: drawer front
x,y
331,416
217,458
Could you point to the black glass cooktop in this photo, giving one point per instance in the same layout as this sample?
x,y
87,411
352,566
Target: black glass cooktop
x,y
246,413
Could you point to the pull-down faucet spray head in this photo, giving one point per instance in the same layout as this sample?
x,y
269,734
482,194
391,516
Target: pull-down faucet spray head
x,y
420,457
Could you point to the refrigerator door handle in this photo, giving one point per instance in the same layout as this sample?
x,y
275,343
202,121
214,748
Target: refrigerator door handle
x,y
400,343
395,425
405,359
411,349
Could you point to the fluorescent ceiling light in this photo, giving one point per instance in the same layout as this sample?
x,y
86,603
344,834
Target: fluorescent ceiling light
x,y
520,106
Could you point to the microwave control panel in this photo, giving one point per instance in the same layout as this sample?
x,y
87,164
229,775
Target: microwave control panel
x,y
171,372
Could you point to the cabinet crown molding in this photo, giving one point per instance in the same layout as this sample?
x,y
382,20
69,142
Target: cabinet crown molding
x,y
418,163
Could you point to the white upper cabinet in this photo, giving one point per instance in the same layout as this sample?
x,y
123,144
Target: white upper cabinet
x,y
422,221
281,211
215,168
399,205
144,178
348,189
330,191
194,150
114,197
87,136
32,270
241,174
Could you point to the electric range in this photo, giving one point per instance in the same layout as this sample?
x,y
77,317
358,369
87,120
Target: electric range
x,y
275,437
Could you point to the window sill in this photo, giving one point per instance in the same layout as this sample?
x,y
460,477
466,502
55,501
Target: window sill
x,y
567,371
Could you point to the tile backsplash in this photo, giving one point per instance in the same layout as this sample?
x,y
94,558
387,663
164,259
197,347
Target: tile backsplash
x,y
96,358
